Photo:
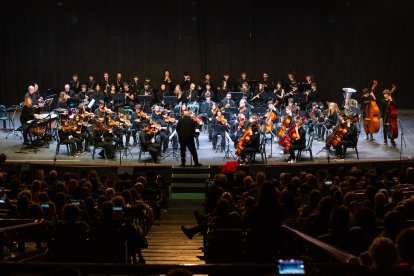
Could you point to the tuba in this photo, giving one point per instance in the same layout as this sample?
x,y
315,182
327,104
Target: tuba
x,y
348,94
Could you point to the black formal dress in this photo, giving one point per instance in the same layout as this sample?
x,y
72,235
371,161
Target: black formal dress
x,y
186,134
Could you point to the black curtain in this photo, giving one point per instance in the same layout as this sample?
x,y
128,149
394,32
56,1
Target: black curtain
x,y
344,43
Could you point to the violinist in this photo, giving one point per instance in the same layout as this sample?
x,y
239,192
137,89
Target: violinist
x,y
211,113
102,112
252,145
219,125
300,141
205,107
148,142
387,107
366,99
351,136
156,115
198,126
66,136
102,138
313,116
137,119
120,125
164,131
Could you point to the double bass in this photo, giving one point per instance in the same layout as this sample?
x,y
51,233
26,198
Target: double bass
x,y
371,120
393,116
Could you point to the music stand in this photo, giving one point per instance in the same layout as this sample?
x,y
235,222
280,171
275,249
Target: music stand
x,y
230,110
145,99
236,96
228,152
118,97
170,100
258,111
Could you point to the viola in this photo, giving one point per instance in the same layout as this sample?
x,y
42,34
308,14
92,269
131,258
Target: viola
x,y
286,123
371,120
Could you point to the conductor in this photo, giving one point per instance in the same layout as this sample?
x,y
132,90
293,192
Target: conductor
x,y
186,130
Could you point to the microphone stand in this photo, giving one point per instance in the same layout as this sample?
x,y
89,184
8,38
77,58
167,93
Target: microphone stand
x,y
402,139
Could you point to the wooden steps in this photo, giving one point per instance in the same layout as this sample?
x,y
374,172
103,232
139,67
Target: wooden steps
x,y
167,244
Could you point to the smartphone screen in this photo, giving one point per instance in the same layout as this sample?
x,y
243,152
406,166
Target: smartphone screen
x,y
2,200
117,209
44,205
291,267
75,202
328,182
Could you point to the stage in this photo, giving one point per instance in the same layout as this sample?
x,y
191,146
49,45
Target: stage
x,y
369,151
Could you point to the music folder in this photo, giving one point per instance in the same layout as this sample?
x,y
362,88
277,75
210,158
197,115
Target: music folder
x,y
91,103
170,100
236,96
118,97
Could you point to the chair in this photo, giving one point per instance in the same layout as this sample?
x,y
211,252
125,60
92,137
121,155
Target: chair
x,y
141,150
4,116
59,143
355,147
225,245
193,106
95,146
262,151
307,148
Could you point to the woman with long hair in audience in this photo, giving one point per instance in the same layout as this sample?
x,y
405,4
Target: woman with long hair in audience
x,y
263,225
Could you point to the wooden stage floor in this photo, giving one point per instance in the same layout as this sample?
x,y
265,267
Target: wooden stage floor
x,y
369,151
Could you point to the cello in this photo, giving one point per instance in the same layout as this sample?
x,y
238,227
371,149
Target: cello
x,y
393,116
286,122
371,120
291,136
337,134
244,139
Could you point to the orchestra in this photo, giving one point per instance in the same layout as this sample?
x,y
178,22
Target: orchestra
x,y
108,113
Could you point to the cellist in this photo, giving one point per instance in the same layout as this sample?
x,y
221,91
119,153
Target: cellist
x,y
388,105
351,136
253,145
300,142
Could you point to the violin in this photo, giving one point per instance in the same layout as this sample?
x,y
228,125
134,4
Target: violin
x,y
198,120
170,119
214,111
241,124
221,120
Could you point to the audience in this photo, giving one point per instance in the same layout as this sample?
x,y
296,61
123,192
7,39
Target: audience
x,y
352,209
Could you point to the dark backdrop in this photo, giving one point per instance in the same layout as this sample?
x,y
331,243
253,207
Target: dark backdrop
x,y
343,43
